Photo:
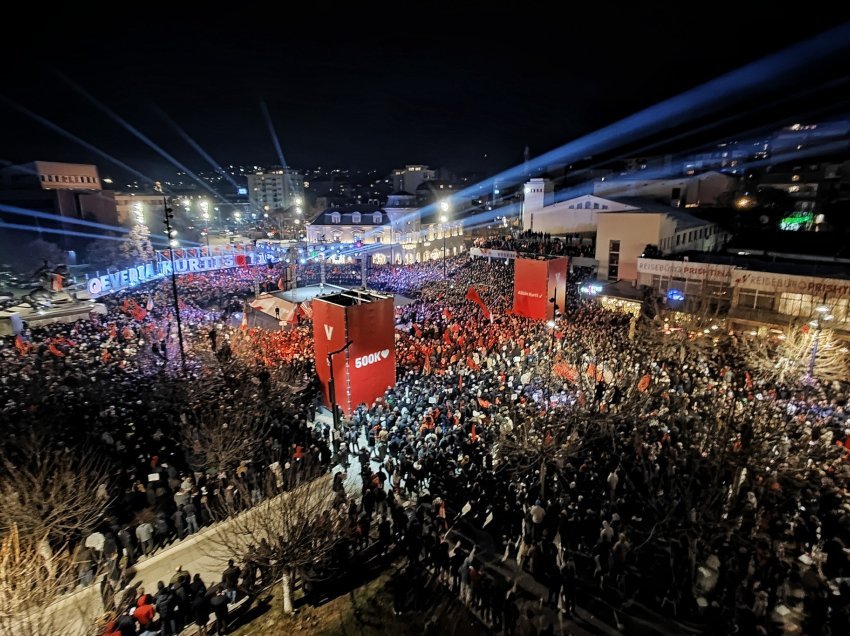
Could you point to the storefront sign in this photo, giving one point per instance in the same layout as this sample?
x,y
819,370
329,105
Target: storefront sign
x,y
683,269
765,281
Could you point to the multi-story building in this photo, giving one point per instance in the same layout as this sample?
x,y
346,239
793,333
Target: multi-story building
x,y
407,233
66,189
409,178
275,189
752,292
621,227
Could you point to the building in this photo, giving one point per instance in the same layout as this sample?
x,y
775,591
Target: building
x,y
622,227
752,293
347,225
408,234
404,217
411,177
70,190
697,190
133,209
274,189
623,236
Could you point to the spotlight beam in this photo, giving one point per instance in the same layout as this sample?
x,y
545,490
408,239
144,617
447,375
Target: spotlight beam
x,y
746,81
69,135
189,140
49,230
139,135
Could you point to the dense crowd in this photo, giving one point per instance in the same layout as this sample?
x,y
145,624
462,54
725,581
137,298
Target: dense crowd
x,y
110,387
540,243
589,454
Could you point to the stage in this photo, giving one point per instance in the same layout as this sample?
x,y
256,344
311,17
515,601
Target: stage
x,y
287,307
303,294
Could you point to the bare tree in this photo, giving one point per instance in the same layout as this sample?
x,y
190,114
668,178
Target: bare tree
x,y
220,440
51,493
289,531
800,352
34,580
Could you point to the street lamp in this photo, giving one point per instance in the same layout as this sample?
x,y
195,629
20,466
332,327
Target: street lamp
x,y
168,215
206,217
822,316
444,208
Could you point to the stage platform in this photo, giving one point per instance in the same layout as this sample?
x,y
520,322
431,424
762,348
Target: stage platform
x,y
303,294
284,307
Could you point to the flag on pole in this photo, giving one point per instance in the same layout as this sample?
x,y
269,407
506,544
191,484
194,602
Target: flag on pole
x,y
472,294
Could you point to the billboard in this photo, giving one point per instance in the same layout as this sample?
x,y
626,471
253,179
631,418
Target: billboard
x,y
530,288
367,368
329,335
535,282
371,357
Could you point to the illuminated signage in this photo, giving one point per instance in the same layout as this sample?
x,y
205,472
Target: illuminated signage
x,y
590,290
133,276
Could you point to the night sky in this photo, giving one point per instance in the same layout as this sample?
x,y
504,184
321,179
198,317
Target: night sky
x,y
369,89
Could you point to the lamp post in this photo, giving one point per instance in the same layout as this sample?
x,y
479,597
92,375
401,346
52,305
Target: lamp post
x,y
817,323
332,384
444,208
206,217
172,244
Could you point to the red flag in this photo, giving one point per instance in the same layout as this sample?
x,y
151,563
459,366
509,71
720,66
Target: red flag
x,y
548,439
643,385
484,404
473,434
565,371
472,295
21,345
748,380
447,315
460,382
58,282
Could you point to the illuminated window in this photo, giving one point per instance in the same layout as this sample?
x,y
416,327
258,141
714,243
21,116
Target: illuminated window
x,y
335,218
355,217
376,218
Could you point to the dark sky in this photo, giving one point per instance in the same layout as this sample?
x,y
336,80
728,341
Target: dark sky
x,y
369,88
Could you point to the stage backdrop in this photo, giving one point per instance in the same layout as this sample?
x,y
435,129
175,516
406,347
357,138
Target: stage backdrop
x,y
367,369
535,282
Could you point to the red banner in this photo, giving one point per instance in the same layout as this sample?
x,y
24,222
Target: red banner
x,y
530,283
535,282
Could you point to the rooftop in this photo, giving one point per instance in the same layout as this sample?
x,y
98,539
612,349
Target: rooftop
x,y
683,219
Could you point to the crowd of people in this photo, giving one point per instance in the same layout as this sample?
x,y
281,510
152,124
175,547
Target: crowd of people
x,y
540,243
589,454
